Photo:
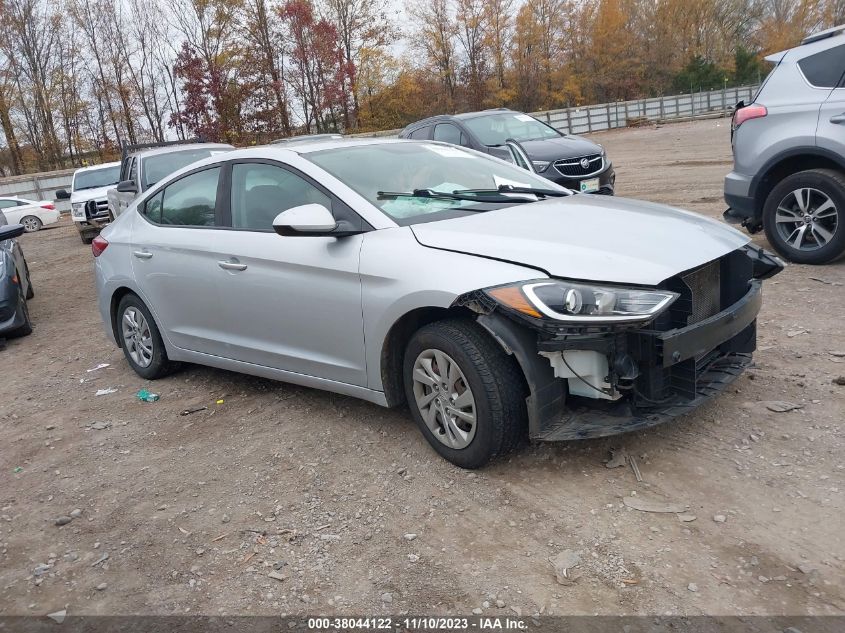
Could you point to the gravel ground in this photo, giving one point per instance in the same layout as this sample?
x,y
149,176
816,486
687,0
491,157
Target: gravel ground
x,y
353,511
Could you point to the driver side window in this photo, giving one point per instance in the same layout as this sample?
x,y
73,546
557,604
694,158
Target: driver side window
x,y
260,192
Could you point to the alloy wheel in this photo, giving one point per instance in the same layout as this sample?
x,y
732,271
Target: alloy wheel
x,y
30,224
444,398
806,219
137,337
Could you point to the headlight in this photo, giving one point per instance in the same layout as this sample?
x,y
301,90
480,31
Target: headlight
x,y
578,303
540,165
603,150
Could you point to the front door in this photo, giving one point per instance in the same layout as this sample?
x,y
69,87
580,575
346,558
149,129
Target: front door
x,y
291,303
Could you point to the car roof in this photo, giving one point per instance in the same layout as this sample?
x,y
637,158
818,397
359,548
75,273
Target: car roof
x,y
462,116
822,35
305,138
172,149
318,145
815,43
96,167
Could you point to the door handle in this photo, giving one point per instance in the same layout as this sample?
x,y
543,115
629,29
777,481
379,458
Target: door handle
x,y
838,118
231,266
142,254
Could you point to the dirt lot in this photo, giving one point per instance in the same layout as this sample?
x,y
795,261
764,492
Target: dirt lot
x,y
341,487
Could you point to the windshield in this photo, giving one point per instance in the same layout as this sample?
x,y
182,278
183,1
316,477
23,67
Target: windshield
x,y
495,129
91,179
161,165
409,166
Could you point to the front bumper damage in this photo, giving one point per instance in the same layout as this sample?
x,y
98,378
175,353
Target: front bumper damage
x,y
644,376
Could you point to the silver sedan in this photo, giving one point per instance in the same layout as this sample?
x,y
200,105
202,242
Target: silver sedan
x,y
498,305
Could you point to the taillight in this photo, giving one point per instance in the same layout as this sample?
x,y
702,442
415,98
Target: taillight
x,y
49,206
753,111
99,245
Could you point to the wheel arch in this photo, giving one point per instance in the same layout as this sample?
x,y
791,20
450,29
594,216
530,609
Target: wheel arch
x,y
393,348
787,163
116,298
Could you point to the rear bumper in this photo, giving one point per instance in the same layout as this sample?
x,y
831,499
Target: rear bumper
x,y
49,217
739,196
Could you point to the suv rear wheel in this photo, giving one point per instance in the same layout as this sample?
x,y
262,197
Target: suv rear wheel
x,y
804,216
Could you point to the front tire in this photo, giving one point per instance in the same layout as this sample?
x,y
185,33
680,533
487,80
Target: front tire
x,y
140,339
31,224
465,393
804,216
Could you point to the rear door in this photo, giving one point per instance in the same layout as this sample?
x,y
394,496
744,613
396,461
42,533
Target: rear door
x,y
830,133
174,251
291,303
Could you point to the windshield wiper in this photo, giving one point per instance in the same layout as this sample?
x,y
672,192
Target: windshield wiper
x,y
485,195
550,193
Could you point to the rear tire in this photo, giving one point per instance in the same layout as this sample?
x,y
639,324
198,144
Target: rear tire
x,y
804,216
30,291
140,339
25,329
477,366
31,224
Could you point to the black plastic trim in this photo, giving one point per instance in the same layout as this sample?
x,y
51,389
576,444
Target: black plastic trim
x,y
684,343
803,150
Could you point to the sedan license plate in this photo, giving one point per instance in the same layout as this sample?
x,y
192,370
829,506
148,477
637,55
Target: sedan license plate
x,y
588,186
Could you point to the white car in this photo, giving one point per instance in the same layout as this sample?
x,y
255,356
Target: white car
x,y
33,214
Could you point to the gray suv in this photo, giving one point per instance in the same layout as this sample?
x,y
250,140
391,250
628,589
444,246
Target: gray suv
x,y
789,153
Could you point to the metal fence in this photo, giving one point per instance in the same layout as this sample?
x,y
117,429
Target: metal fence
x,y
40,186
608,116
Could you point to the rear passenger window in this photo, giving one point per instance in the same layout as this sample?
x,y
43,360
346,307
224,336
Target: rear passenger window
x,y
421,133
190,201
152,208
447,133
824,69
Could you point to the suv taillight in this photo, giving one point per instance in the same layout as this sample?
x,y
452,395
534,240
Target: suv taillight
x,y
98,245
753,111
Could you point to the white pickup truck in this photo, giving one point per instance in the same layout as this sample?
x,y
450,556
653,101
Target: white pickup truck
x,y
88,203
142,168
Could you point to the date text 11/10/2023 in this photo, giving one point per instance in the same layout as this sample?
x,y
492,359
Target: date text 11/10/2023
x,y
421,623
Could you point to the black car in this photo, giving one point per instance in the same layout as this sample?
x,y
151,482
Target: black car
x,y
15,286
568,160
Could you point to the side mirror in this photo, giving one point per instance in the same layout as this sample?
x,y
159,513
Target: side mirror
x,y
127,186
306,219
10,231
62,194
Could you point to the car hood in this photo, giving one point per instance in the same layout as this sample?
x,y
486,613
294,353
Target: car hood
x,y
590,238
556,148
99,193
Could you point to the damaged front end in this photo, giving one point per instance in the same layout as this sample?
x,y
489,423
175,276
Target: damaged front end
x,y
601,359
